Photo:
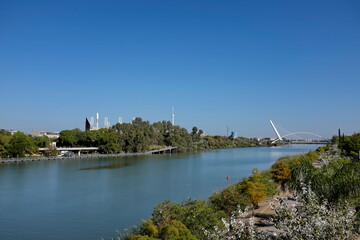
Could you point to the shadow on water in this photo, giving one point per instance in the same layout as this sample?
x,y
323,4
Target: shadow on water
x,y
111,166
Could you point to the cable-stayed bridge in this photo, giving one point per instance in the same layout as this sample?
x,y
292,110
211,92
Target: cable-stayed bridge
x,y
319,140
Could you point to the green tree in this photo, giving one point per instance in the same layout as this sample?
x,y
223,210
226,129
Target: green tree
x,y
108,141
3,146
69,138
196,215
231,198
5,132
351,144
175,230
92,138
42,142
171,230
21,145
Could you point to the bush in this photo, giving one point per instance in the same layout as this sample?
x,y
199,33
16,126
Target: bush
x,y
196,215
251,190
172,230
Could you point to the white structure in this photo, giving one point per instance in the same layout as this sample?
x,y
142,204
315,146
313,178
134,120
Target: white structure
x,y
39,133
106,122
120,120
280,138
97,120
276,131
173,117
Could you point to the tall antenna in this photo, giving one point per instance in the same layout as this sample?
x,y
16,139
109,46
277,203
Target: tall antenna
x,y
92,122
106,122
173,117
120,120
97,120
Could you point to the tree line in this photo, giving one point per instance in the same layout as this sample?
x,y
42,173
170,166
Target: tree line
x,y
138,136
141,136
20,145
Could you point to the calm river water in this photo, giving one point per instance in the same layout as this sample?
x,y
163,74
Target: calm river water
x,y
92,198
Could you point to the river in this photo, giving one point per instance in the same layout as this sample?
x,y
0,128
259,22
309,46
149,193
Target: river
x,y
92,198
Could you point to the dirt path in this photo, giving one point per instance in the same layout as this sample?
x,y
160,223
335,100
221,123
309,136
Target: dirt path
x,y
264,213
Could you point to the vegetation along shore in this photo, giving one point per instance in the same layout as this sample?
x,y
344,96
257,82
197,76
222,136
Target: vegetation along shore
x,y
136,137
311,196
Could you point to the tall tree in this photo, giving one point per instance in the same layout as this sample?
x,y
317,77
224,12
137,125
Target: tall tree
x,y
20,145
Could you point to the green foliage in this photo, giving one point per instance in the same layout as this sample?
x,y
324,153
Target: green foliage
x,y
107,140
171,230
337,179
91,138
52,151
196,215
69,138
42,142
230,198
149,229
4,132
20,145
3,145
249,191
175,230
350,144
140,237
141,136
138,136
216,142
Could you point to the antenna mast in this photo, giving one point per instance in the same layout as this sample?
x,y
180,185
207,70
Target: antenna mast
x,y
106,120
173,117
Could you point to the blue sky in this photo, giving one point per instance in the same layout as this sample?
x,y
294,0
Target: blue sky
x,y
219,63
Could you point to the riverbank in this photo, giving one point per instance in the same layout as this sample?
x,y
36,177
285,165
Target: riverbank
x,y
321,205
86,156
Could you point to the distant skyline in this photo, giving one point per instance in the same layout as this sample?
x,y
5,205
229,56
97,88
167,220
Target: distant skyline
x,y
219,63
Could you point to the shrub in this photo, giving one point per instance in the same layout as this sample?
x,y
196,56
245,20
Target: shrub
x,y
196,215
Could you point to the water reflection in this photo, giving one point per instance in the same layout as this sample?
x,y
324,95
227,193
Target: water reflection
x,y
111,166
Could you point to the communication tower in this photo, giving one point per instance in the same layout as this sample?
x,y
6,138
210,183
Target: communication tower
x,y
92,122
106,122
97,120
173,117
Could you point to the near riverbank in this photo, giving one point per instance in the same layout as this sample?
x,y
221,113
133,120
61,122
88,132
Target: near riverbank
x,y
322,204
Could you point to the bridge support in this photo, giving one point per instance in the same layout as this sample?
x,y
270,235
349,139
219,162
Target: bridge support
x,y
276,131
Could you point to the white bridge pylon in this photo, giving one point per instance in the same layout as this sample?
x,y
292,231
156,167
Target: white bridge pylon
x,y
280,138
276,131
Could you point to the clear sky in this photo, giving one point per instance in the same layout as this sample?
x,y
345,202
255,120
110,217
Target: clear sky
x,y
219,63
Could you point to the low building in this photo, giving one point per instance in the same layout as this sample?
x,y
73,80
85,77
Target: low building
x,y
39,133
